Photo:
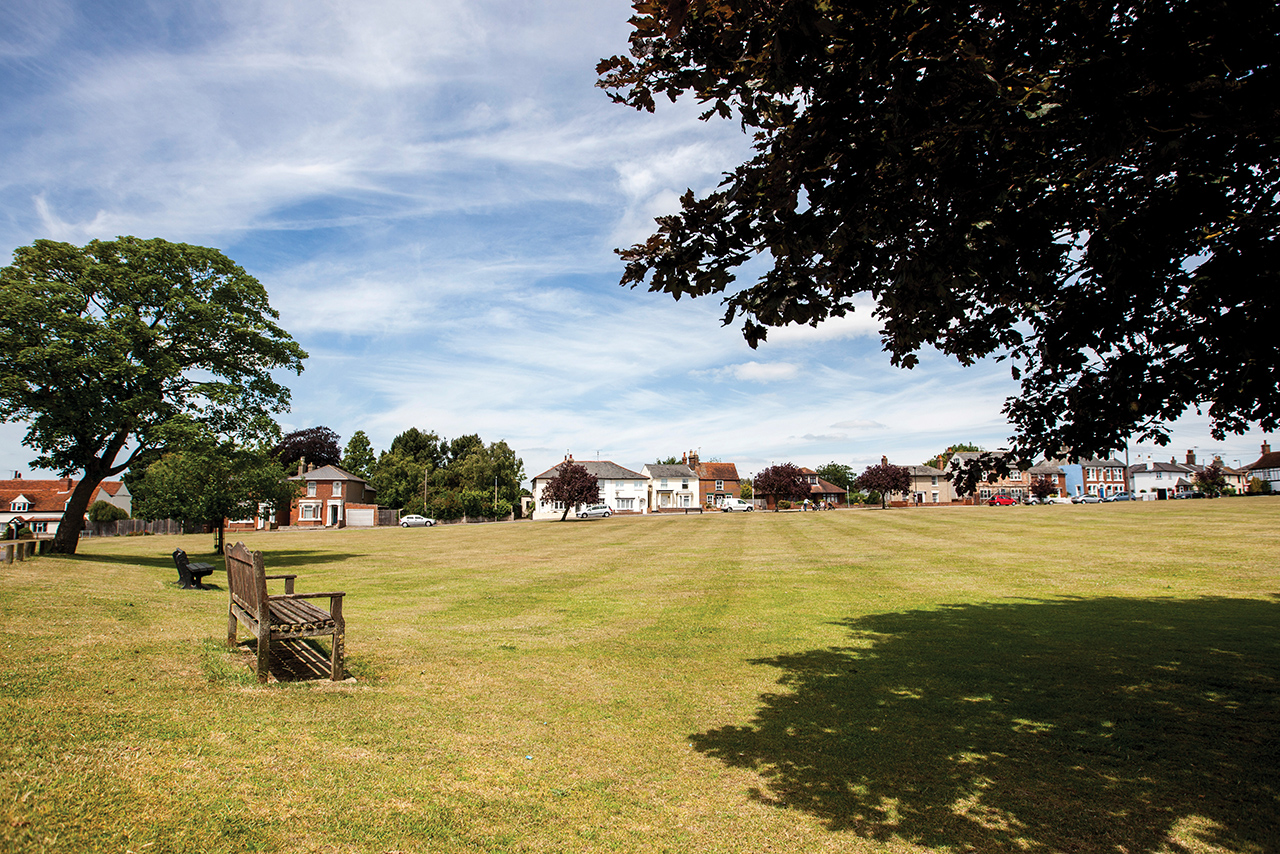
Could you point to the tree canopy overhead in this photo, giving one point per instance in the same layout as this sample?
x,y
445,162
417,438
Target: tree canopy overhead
x,y
1087,188
105,348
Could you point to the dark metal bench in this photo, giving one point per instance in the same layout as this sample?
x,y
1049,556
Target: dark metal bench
x,y
189,574
280,617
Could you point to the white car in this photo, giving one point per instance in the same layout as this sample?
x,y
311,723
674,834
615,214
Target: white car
x,y
1057,499
413,520
731,504
601,510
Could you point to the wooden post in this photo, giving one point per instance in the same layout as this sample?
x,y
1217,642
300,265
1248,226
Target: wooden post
x,y
6,553
20,550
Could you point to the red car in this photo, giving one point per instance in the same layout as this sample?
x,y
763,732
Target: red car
x,y
1001,500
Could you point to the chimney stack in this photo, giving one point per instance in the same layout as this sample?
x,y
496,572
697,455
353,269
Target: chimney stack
x,y
1266,449
693,460
1191,458
884,461
302,465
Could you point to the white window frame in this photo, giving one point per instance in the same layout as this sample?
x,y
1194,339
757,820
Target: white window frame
x,y
311,489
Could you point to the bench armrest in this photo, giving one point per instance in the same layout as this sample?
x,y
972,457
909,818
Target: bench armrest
x,y
339,595
288,581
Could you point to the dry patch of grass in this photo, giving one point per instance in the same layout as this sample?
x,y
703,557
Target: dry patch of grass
x,y
1085,678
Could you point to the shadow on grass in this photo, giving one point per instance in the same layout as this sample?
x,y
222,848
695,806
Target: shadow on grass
x,y
1083,725
273,559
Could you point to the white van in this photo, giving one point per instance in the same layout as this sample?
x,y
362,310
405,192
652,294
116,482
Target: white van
x,y
731,504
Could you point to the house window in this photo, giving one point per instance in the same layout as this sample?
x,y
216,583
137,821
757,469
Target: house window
x,y
311,488
664,483
39,527
684,500
310,511
719,485
625,503
19,506
934,480
337,488
684,483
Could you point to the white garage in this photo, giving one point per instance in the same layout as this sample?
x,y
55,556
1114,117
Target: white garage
x,y
361,518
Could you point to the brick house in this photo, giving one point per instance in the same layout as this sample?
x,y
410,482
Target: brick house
x,y
716,481
330,498
822,490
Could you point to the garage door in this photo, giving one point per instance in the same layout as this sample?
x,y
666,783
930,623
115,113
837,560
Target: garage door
x,y
360,518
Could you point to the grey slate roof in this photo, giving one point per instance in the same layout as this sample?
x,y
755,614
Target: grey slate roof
x,y
328,473
924,471
671,472
602,469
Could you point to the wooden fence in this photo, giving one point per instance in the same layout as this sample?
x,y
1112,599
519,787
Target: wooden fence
x,y
136,527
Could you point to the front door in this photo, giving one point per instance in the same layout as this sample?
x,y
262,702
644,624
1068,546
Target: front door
x,y
333,514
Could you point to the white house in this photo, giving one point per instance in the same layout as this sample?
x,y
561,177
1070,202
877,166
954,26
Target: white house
x,y
624,490
670,487
40,504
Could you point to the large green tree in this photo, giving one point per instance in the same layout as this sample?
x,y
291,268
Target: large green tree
x,y
211,481
1088,188
103,347
358,456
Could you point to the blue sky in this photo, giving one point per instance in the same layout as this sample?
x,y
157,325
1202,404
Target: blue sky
x,y
431,192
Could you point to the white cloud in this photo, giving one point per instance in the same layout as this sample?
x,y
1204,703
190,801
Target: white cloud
x,y
757,372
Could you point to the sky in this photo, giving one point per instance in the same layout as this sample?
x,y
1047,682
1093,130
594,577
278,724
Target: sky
x,y
431,193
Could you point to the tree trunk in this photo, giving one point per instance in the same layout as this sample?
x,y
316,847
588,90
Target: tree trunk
x,y
68,536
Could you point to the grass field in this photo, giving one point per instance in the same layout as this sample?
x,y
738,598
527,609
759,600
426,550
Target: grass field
x,y
1081,678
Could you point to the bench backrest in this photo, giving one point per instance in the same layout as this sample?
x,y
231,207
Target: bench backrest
x,y
246,576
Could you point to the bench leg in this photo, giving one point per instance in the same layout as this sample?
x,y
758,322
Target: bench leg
x,y
335,657
264,656
231,629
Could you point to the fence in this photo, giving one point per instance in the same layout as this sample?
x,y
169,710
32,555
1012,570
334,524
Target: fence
x,y
125,527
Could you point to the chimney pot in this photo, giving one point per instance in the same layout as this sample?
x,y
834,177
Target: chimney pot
x,y
884,461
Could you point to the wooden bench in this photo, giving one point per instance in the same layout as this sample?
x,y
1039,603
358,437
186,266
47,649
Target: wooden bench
x,y
281,617
189,574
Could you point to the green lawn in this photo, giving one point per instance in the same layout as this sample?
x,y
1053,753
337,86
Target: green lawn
x,y
1081,678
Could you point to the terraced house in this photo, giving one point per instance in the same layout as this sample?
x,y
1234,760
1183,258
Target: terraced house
x,y
40,504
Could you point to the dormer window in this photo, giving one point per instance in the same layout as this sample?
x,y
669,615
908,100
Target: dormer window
x,y
21,504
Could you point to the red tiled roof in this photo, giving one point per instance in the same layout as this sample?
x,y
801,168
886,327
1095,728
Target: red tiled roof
x,y
48,496
718,471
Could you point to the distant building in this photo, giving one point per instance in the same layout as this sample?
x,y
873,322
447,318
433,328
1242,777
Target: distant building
x,y
716,481
624,490
41,504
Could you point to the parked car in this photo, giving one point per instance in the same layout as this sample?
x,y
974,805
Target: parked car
x,y
1057,499
592,511
1001,501
1119,496
1089,499
731,504
413,520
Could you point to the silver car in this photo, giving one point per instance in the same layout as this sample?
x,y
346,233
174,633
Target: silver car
x,y
413,520
595,510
